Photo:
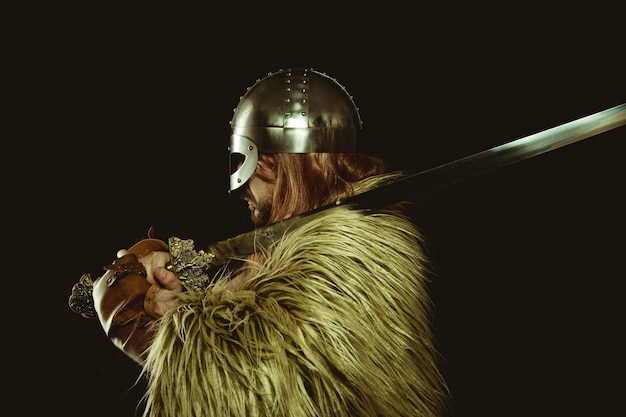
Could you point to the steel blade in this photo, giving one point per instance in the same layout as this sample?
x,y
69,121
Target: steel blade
x,y
418,184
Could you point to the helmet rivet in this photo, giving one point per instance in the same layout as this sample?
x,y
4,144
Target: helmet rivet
x,y
303,100
304,90
287,89
250,147
287,100
288,113
303,113
288,81
238,179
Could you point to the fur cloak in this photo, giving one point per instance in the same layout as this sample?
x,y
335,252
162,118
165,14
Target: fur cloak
x,y
333,322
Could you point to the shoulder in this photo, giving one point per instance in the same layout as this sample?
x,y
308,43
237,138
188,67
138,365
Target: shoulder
x,y
376,181
343,232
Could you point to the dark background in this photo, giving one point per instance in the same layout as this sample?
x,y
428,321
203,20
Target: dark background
x,y
116,119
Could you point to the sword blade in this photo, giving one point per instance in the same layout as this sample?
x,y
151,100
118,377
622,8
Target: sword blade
x,y
418,184
421,183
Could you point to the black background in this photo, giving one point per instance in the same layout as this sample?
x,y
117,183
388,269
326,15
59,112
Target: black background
x,y
116,119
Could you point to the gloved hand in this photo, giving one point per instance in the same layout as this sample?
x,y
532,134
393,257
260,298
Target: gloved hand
x,y
124,299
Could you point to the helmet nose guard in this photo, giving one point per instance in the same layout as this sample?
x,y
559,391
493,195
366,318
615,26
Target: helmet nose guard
x,y
292,111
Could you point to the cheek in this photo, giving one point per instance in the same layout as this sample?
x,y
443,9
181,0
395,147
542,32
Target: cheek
x,y
256,188
269,189
264,192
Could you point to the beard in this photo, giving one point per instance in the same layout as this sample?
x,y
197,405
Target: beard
x,y
260,210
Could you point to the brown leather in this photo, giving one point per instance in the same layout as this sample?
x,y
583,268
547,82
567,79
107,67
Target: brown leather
x,y
119,296
148,303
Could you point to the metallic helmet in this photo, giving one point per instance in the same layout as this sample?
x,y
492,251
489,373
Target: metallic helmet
x,y
291,111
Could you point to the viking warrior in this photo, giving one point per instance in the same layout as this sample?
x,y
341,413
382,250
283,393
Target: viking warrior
x,y
330,317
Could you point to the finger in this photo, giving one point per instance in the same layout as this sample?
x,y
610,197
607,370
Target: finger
x,y
156,260
160,259
167,279
164,300
159,300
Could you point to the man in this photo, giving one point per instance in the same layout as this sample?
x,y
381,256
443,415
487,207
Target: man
x,y
328,318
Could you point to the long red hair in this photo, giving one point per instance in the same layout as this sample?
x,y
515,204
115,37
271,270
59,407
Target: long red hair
x,y
307,181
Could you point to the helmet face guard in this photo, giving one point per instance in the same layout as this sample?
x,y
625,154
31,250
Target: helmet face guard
x,y
291,111
242,167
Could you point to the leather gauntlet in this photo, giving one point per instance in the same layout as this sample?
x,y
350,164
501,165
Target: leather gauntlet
x,y
123,300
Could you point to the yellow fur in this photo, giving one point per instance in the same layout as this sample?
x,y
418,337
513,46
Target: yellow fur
x,y
334,322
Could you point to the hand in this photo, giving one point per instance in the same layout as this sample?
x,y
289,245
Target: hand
x,y
157,274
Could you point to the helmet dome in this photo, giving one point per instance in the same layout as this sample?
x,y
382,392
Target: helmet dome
x,y
291,111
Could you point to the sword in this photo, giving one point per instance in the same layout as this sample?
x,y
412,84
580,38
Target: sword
x,y
415,185
192,266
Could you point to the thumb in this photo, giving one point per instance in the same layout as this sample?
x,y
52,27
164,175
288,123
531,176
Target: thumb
x,y
167,279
